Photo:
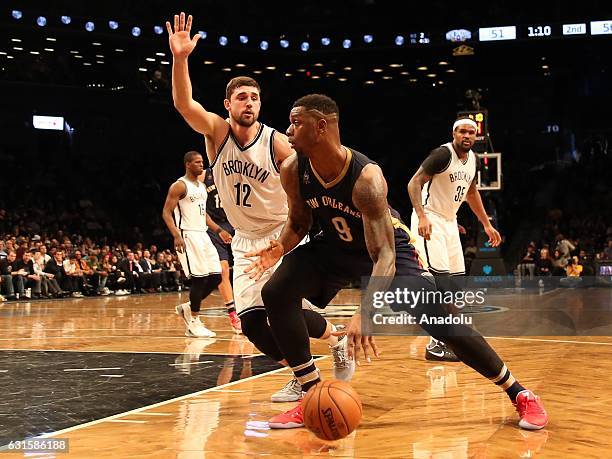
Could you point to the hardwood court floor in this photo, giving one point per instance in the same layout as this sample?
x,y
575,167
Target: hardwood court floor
x,y
412,408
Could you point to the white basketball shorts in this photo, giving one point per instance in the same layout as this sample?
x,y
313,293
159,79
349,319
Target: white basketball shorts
x,y
247,292
442,252
200,258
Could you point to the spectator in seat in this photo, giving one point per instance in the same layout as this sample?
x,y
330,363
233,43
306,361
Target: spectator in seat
x,y
573,268
25,269
49,286
145,278
86,272
527,265
74,273
6,279
45,255
128,268
99,277
172,274
564,246
544,265
55,268
558,264
149,266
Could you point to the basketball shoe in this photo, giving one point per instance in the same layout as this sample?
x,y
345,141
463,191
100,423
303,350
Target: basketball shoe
x,y
235,321
291,419
531,411
291,392
194,326
439,352
344,368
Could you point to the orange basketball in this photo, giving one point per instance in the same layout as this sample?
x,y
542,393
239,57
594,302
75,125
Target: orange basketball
x,y
332,409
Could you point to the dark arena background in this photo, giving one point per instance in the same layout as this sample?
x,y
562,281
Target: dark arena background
x,y
91,141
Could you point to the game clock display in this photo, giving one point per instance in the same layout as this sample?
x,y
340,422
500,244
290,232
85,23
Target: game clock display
x,y
539,31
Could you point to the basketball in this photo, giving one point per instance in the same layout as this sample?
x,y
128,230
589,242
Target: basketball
x,y
332,409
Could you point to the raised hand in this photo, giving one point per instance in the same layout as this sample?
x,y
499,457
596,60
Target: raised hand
x,y
266,258
181,44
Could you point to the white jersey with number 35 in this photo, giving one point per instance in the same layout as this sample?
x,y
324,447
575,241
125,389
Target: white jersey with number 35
x,y
248,182
446,190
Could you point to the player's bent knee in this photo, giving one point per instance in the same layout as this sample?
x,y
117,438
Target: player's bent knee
x,y
272,296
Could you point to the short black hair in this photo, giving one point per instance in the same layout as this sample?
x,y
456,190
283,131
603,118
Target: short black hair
x,y
321,102
190,155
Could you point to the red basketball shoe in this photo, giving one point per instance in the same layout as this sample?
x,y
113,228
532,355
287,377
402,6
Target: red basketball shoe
x,y
531,411
235,321
291,419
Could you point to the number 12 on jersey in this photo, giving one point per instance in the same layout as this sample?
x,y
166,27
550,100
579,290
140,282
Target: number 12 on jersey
x,y
243,191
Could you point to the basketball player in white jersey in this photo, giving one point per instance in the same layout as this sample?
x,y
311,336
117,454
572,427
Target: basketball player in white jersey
x,y
446,179
245,162
185,216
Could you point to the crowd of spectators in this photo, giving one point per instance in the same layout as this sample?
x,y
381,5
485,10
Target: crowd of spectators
x,y
43,266
563,257
577,233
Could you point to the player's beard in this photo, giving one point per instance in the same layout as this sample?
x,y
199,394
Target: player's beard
x,y
463,148
245,122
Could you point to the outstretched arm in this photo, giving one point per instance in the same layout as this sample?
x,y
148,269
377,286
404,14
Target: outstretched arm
x,y
296,228
176,191
201,120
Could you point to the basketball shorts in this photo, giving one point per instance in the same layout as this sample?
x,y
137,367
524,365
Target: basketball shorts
x,y
247,292
200,258
319,269
224,250
442,253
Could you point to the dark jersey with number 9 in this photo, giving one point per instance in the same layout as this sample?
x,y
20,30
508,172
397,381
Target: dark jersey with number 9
x,y
332,204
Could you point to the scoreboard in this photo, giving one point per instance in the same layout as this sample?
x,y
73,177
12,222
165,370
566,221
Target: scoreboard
x,y
544,30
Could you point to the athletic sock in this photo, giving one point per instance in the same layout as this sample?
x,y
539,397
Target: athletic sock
x,y
307,375
230,307
506,381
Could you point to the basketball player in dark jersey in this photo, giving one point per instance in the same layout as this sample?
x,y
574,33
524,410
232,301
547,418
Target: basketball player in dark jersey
x,y
222,242
346,194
